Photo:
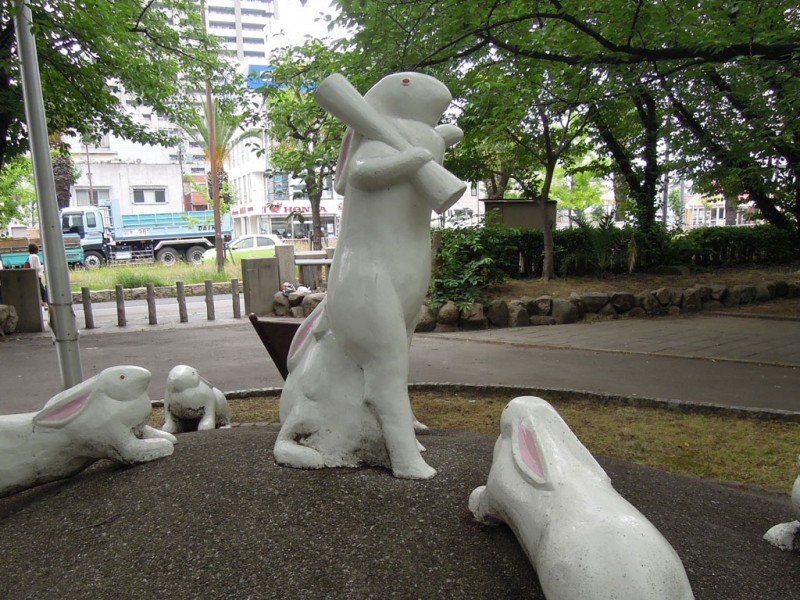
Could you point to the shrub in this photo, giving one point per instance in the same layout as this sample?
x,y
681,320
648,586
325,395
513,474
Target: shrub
x,y
729,246
470,260
135,278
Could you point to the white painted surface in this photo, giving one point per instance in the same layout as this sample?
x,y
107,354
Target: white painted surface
x,y
102,417
585,541
189,397
345,401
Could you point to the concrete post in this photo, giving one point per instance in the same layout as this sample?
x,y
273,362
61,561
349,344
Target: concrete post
x,y
261,283
21,290
286,269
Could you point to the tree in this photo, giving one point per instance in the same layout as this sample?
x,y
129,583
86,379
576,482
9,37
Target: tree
x,y
305,139
17,191
724,72
577,191
228,132
92,52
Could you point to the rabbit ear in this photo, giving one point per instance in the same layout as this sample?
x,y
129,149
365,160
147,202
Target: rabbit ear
x,y
63,408
451,134
528,456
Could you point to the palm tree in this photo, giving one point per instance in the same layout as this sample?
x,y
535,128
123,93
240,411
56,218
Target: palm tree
x,y
227,133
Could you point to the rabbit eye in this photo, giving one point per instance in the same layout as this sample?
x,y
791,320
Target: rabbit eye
x,y
122,376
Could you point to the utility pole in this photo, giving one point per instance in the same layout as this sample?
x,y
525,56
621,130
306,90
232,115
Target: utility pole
x,y
65,329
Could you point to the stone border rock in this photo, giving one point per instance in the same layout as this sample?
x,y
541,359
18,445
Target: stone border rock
x,y
553,310
192,289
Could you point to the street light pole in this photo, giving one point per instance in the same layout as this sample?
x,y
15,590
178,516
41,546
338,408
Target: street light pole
x,y
65,329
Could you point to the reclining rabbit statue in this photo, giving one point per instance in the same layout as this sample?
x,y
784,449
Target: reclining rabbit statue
x,y
585,541
786,536
102,417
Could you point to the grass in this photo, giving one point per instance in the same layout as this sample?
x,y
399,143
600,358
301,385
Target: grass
x,y
131,276
728,448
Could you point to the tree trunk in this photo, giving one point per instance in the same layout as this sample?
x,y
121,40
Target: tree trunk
x,y
316,221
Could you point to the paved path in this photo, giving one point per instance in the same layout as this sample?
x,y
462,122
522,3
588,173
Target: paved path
x,y
705,359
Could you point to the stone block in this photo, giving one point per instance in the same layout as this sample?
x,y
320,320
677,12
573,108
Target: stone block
x,y
448,314
718,292
691,301
608,311
517,314
426,320
543,305
297,312
564,311
765,291
8,319
474,318
593,302
310,302
281,305
781,289
498,313
623,301
577,302
260,282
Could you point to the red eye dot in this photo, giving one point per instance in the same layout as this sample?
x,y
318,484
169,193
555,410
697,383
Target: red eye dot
x,y
122,376
406,81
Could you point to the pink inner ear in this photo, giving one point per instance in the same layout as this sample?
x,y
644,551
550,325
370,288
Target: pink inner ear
x,y
302,334
529,452
69,409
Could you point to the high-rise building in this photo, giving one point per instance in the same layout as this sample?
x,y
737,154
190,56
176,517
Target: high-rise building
x,y
242,26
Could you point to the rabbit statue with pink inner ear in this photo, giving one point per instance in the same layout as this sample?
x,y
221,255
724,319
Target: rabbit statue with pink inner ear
x,y
585,541
102,417
786,536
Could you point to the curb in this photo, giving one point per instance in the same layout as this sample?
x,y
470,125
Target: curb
x,y
568,395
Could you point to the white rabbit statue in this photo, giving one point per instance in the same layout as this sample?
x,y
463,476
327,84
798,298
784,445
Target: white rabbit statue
x,y
102,417
190,398
585,541
786,536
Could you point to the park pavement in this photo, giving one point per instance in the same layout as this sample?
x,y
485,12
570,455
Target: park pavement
x,y
700,359
219,519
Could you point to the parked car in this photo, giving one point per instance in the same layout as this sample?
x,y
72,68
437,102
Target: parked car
x,y
247,246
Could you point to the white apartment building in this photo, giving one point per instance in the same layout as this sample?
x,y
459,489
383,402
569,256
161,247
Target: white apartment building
x,y
152,178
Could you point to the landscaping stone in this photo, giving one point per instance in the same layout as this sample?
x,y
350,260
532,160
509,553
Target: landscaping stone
x,y
297,312
518,314
793,290
765,291
673,310
529,303
281,305
448,314
564,311
733,297
310,302
623,301
8,319
665,296
637,311
704,291
691,301
296,298
577,302
474,318
650,304
543,305
498,313
608,311
718,292
781,289
713,305
593,302
747,293
426,319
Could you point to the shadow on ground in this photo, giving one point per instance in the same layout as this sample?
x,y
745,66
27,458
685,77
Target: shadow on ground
x,y
218,519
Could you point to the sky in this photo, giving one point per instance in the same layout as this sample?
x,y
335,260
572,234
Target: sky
x,y
298,18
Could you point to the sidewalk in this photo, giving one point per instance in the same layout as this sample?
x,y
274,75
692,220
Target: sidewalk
x,y
703,359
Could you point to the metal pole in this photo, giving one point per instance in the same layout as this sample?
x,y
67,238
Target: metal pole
x,y
65,328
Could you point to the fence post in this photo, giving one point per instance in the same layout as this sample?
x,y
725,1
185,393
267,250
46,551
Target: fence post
x,y
210,299
86,299
237,308
181,293
120,293
151,304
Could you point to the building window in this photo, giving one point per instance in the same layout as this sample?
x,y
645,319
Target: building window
x,y
98,194
149,196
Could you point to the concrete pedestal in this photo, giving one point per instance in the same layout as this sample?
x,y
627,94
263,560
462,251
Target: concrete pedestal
x,y
261,282
20,289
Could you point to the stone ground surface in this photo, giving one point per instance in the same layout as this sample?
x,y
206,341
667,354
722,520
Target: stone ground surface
x,y
218,519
